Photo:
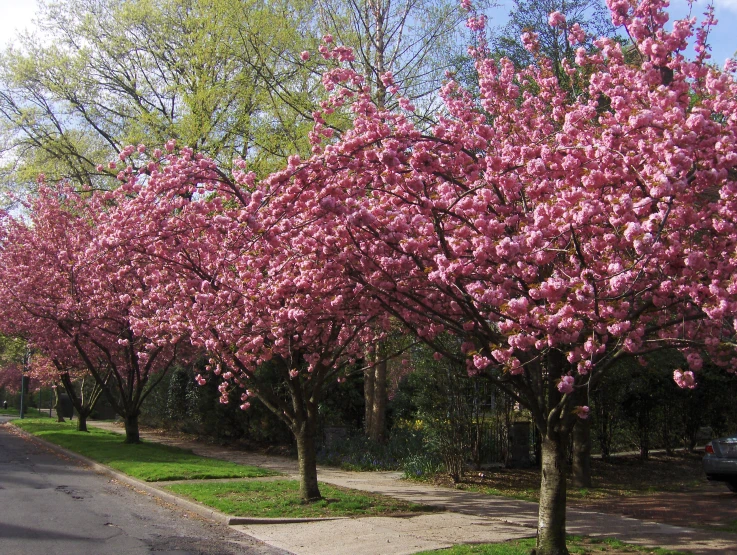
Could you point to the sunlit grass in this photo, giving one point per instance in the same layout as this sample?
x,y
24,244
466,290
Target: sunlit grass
x,y
151,462
280,498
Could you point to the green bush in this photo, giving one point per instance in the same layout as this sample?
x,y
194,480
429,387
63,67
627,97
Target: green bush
x,y
359,453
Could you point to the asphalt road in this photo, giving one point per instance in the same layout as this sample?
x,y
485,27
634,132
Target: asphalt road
x,y
50,506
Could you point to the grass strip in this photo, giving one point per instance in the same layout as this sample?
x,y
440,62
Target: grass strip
x,y
577,545
150,462
29,412
280,499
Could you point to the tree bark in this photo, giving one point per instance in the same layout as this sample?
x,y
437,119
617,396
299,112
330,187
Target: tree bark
x,y
644,432
551,525
59,415
132,433
368,397
82,420
308,487
581,467
378,416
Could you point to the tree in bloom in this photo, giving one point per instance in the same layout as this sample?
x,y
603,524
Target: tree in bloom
x,y
10,376
554,236
233,265
75,303
81,388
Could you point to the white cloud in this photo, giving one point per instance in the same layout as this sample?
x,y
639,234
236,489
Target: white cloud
x,y
730,5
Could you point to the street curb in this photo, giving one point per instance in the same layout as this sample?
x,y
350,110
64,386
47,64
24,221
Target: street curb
x,y
191,506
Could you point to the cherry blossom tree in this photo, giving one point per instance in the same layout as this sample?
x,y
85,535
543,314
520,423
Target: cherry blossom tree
x,y
232,265
75,303
81,388
10,376
555,236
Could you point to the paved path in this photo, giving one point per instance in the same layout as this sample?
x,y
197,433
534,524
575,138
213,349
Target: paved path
x,y
470,517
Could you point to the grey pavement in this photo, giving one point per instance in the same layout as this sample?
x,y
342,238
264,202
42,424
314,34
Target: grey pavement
x,y
468,517
50,505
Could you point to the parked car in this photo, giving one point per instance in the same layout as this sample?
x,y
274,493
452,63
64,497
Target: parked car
x,y
720,461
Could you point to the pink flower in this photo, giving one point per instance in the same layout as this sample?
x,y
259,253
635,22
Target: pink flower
x,y
556,19
582,412
565,385
530,41
304,56
576,35
684,380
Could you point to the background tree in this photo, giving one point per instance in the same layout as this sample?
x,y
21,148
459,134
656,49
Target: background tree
x,y
81,388
73,302
415,40
531,16
223,77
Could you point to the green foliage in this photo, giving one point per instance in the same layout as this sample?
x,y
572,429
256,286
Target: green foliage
x,y
176,400
150,462
30,412
421,465
182,404
342,404
641,407
359,453
222,77
281,498
442,398
12,350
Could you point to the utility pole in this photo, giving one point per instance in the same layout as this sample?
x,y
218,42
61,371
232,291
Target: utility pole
x,y
26,361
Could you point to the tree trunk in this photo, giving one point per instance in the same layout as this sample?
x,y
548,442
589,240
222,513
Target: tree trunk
x,y
59,415
368,397
82,420
581,468
132,433
308,488
644,432
551,524
378,416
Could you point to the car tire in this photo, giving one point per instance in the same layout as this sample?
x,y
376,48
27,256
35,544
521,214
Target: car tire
x,y
732,486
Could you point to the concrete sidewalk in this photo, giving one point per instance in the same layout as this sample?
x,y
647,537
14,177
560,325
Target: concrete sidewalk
x,y
470,517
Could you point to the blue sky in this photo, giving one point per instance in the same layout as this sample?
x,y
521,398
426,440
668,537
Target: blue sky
x,y
723,39
18,15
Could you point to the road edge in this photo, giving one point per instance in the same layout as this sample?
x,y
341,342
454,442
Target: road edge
x,y
147,487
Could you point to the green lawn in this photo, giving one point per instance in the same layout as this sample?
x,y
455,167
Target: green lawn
x,y
577,545
280,498
30,412
150,462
